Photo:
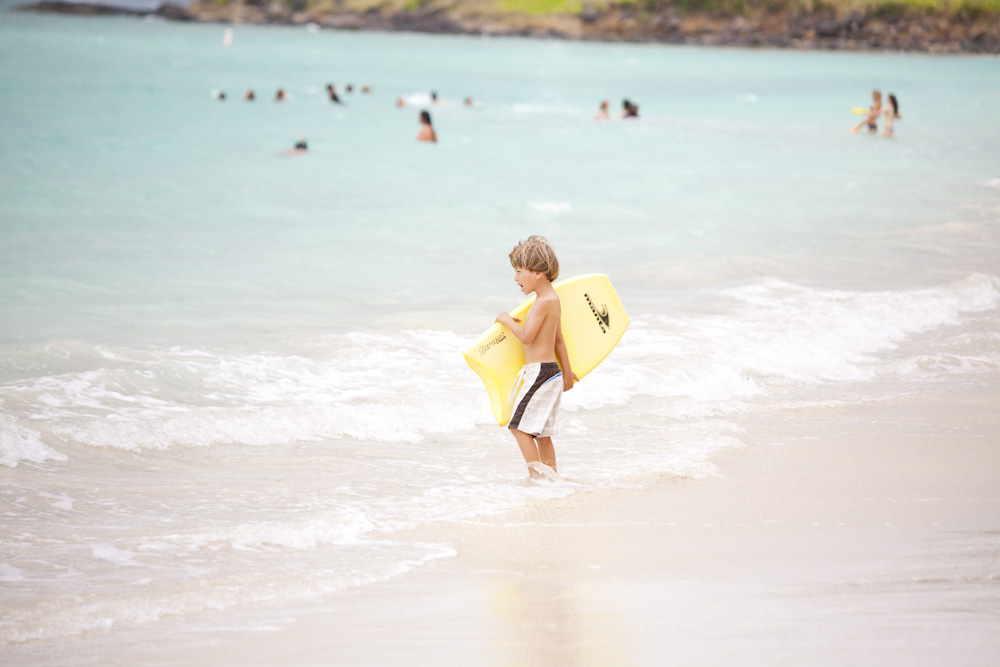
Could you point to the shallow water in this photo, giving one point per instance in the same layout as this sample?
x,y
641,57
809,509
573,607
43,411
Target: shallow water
x,y
229,377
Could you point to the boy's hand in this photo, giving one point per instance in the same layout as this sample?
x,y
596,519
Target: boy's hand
x,y
568,380
506,319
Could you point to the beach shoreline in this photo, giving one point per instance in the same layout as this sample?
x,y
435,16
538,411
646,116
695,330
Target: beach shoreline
x,y
872,539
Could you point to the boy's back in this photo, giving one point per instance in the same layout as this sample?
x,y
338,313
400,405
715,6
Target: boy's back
x,y
543,317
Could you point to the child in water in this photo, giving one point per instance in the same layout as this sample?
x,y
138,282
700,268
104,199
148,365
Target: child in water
x,y
871,120
539,386
602,112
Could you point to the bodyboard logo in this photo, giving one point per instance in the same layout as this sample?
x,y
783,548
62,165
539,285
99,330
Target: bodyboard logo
x,y
602,316
485,347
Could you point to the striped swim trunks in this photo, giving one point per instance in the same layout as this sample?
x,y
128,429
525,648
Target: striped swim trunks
x,y
535,399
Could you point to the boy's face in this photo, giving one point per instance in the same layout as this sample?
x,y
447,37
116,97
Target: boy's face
x,y
527,280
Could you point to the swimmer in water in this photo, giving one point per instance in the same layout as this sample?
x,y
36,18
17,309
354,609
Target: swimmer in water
x,y
332,93
602,113
426,132
249,96
629,110
871,120
300,148
891,114
280,95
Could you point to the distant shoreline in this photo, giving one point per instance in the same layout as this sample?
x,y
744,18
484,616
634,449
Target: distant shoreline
x,y
823,29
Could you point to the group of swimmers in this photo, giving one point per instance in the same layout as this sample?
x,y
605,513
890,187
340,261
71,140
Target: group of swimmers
x,y
279,95
425,133
629,110
890,113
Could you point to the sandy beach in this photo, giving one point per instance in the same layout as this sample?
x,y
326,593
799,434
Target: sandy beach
x,y
874,540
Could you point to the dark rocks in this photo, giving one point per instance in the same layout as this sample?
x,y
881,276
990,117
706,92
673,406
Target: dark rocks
x,y
173,12
76,8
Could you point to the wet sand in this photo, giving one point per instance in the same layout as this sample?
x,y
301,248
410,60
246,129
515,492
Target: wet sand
x,y
859,535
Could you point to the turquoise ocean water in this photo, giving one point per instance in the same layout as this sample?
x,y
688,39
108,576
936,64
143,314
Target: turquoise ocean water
x,y
230,377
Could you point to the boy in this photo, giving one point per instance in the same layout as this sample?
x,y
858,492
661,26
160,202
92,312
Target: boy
x,y
537,389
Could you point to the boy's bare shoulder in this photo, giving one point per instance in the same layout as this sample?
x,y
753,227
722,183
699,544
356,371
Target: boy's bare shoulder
x,y
547,301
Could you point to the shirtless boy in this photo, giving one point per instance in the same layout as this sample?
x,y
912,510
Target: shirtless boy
x,y
539,385
871,120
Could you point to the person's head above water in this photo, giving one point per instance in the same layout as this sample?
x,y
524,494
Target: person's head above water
x,y
425,117
536,254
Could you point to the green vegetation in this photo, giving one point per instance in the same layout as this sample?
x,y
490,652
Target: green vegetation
x,y
540,7
976,8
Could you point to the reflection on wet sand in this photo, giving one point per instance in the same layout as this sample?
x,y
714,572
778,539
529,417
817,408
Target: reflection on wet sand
x,y
550,623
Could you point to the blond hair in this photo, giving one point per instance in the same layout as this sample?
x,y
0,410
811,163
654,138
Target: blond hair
x,y
536,254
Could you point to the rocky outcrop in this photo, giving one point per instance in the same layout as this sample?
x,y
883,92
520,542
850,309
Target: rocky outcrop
x,y
168,10
890,27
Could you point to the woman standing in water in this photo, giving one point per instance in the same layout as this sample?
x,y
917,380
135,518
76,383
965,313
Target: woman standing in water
x,y
891,114
426,132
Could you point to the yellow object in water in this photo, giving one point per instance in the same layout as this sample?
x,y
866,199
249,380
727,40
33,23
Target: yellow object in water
x,y
593,321
861,111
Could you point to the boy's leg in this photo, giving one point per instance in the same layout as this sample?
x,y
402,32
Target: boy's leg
x,y
546,451
527,445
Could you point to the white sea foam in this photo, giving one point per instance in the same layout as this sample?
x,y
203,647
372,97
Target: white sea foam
x,y
418,99
19,442
101,610
406,387
114,555
346,527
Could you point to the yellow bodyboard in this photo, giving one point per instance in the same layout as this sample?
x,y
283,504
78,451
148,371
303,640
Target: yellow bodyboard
x,y
593,321
861,111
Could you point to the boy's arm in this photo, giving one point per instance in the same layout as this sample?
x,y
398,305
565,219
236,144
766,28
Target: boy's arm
x,y
562,355
532,323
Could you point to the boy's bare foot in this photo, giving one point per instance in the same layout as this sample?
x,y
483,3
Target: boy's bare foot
x,y
538,470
